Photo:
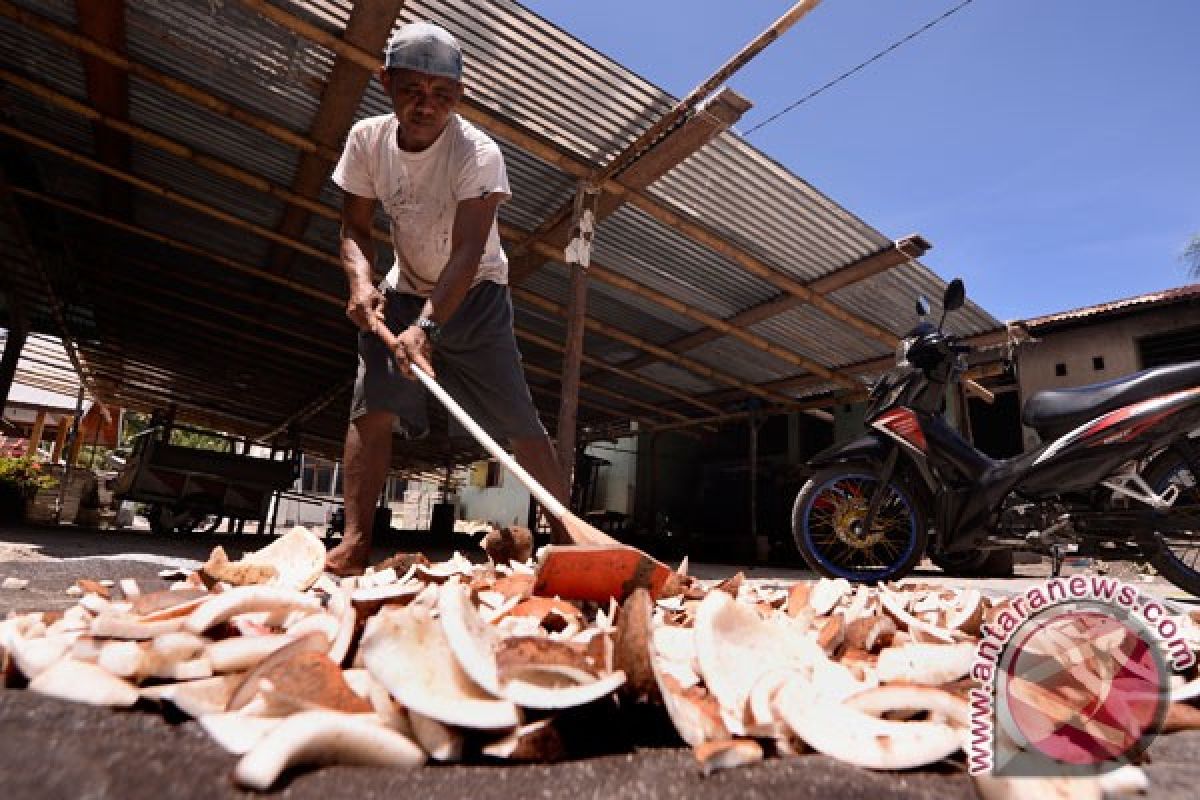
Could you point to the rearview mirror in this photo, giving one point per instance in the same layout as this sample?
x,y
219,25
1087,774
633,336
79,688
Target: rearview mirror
x,y
956,293
922,306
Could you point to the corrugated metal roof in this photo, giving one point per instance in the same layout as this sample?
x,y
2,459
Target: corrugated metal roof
x,y
43,366
521,70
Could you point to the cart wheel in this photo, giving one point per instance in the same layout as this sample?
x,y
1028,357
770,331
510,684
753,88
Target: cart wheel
x,y
197,521
201,514
160,519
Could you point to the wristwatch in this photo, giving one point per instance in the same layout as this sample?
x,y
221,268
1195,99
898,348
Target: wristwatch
x,y
433,331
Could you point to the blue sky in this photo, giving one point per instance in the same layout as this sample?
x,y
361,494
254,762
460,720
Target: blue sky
x,y
1049,149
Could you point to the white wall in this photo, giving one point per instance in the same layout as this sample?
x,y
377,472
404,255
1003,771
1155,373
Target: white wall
x,y
1116,341
506,504
616,484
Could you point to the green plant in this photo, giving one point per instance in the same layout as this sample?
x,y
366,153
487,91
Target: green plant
x,y
20,480
24,475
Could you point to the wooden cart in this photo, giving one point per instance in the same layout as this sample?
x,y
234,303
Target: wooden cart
x,y
190,489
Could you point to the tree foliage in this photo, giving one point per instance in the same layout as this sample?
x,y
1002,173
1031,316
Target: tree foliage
x,y
1191,256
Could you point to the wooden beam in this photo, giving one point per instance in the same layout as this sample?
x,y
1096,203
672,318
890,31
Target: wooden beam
x,y
258,273
204,99
901,251
571,164
651,135
633,341
171,195
328,258
368,28
35,435
720,113
869,367
14,341
613,278
103,21
184,247
599,364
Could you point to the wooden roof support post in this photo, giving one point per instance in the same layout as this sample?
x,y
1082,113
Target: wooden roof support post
x,y
579,254
14,343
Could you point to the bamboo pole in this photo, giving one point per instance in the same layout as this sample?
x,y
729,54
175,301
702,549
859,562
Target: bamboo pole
x,y
739,60
648,138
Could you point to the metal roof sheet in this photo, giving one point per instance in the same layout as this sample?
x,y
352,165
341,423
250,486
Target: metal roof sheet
x,y
521,70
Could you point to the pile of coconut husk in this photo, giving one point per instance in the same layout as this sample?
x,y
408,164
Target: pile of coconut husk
x,y
285,666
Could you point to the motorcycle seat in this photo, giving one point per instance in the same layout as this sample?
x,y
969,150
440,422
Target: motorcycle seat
x,y
1054,412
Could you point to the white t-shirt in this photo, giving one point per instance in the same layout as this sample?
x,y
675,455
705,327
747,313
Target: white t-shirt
x,y
420,193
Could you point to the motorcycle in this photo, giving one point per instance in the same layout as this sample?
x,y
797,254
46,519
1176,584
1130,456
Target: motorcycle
x,y
1115,476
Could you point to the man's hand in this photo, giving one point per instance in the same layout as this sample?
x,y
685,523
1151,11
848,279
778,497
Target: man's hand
x,y
366,302
412,347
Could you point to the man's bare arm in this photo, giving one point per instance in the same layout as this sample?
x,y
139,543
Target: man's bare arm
x,y
357,250
472,225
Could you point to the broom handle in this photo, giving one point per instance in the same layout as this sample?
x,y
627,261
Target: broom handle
x,y
549,502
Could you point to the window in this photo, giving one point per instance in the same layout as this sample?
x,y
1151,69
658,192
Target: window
x,y
1170,347
1098,363
316,479
324,480
1060,370
494,474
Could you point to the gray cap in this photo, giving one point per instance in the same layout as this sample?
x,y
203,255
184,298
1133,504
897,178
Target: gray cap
x,y
424,47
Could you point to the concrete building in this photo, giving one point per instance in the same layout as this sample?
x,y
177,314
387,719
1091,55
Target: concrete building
x,y
1108,341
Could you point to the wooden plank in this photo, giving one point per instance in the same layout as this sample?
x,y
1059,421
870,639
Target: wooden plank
x,y
103,21
368,28
724,110
900,252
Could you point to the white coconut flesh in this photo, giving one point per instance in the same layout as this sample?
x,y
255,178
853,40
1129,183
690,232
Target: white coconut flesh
x,y
472,640
324,737
406,650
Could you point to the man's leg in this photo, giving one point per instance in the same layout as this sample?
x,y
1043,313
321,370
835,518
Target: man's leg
x,y
538,456
367,457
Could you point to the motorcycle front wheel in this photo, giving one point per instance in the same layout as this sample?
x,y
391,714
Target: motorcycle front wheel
x,y
827,524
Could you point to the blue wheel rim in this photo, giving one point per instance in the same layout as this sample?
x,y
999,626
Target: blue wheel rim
x,y
902,510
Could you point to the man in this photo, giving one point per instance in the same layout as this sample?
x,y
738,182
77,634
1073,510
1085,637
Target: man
x,y
440,180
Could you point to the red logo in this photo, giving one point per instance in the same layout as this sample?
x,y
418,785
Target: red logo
x,y
1083,688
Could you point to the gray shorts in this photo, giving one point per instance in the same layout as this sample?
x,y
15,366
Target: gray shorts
x,y
476,361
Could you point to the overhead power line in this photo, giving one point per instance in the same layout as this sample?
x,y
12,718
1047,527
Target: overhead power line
x,y
848,73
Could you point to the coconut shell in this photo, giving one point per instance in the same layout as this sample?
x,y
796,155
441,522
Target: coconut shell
x,y
633,646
